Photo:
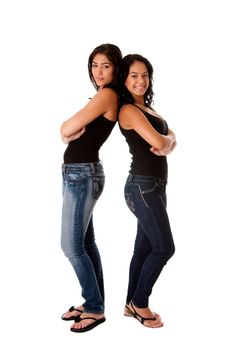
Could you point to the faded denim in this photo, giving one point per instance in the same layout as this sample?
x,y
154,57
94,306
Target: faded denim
x,y
82,186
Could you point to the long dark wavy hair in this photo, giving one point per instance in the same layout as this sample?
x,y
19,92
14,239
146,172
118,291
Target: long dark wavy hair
x,y
125,95
113,53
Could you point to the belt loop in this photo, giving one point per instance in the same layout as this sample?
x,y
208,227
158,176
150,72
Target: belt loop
x,y
92,168
130,177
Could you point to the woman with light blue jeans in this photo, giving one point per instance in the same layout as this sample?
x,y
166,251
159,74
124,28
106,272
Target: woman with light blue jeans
x,y
82,185
83,182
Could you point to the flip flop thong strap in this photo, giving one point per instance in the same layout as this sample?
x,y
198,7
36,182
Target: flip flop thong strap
x,y
72,308
143,319
88,318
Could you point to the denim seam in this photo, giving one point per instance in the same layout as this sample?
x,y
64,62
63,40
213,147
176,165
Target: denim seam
x,y
141,193
150,190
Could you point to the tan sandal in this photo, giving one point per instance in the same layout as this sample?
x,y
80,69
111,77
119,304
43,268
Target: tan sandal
x,y
142,319
130,313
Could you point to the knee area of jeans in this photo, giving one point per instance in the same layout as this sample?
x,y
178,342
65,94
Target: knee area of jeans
x,y
165,254
169,252
72,254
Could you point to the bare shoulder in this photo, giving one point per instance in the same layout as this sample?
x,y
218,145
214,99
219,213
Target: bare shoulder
x,y
127,109
107,93
108,100
105,98
128,115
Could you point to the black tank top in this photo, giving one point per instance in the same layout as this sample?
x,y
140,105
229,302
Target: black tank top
x,y
144,162
86,148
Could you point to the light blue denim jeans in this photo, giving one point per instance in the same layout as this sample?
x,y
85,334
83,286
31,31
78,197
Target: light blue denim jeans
x,y
82,186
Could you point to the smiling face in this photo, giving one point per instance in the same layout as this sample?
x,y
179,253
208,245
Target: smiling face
x,y
137,81
102,70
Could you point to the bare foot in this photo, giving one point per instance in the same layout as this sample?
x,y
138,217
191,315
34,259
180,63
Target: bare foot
x,y
146,316
72,313
128,312
87,321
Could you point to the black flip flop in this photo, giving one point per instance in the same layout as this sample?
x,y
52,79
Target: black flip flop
x,y
90,326
72,318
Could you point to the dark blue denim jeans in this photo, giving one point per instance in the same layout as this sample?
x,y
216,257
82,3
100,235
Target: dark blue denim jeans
x,y
154,246
82,185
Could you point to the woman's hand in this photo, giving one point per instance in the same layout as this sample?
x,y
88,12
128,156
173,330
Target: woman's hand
x,y
73,137
164,152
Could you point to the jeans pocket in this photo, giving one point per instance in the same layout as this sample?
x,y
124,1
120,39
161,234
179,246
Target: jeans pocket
x,y
147,190
98,186
129,201
74,178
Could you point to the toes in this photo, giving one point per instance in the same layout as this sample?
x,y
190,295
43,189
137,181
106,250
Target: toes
x,y
76,325
82,324
159,325
153,324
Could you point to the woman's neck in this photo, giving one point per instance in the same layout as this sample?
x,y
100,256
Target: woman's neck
x,y
139,101
140,104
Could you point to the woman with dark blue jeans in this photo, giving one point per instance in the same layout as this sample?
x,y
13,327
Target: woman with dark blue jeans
x,y
83,182
149,140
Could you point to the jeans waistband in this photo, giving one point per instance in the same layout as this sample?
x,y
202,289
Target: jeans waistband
x,y
92,167
145,178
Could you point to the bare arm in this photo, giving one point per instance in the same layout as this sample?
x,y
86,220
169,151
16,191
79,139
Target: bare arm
x,y
104,102
167,151
73,137
132,118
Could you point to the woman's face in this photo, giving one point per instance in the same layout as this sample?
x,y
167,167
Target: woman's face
x,y
102,70
137,81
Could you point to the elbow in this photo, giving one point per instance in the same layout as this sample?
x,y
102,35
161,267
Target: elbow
x,y
64,131
161,144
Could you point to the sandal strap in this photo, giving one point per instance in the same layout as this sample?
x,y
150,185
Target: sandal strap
x,y
142,319
129,310
72,308
88,318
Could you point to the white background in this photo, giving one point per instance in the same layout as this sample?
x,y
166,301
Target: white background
x,y
43,81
